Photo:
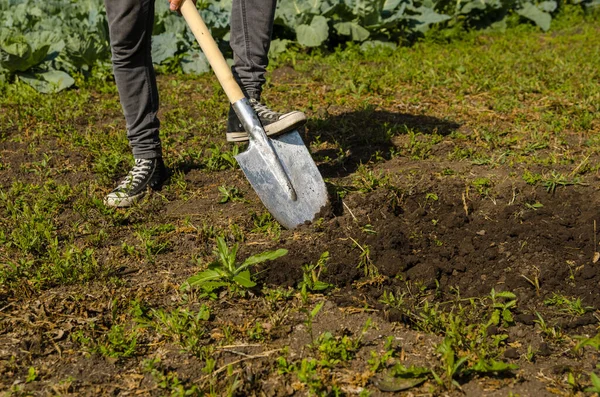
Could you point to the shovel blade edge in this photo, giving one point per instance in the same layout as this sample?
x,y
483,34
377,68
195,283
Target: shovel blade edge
x,y
303,173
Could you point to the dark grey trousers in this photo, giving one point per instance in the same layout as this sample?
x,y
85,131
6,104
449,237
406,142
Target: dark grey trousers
x,y
130,25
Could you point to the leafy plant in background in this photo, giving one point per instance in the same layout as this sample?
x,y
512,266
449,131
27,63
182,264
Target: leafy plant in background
x,y
46,44
43,44
226,272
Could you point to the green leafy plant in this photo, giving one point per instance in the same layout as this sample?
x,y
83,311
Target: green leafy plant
x,y
225,271
595,388
230,193
185,327
502,303
556,179
311,275
219,159
119,342
573,307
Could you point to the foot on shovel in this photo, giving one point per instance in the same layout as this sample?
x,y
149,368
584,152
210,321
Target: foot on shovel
x,y
274,123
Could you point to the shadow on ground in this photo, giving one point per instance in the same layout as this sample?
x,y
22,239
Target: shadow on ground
x,y
362,135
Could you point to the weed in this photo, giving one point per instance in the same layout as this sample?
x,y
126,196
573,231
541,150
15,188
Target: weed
x,y
365,263
151,246
311,275
119,343
549,331
502,303
431,196
482,185
572,307
366,181
266,224
230,193
534,206
342,348
310,317
531,178
32,375
556,179
368,229
169,381
534,279
257,332
219,160
377,362
182,326
225,272
585,341
595,388
395,301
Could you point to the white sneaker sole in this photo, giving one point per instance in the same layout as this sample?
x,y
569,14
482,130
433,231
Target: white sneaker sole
x,y
114,200
288,122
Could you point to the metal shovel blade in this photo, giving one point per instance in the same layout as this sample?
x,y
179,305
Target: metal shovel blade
x,y
311,193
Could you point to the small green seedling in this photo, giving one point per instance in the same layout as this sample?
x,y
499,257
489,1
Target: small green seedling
x,y
225,272
230,193
311,274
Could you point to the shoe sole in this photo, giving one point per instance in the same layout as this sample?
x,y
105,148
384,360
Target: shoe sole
x,y
123,202
281,126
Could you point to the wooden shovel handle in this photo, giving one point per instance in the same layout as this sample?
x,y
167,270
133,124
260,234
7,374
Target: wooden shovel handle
x,y
211,50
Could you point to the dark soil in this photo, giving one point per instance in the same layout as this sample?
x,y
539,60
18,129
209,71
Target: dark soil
x,y
426,228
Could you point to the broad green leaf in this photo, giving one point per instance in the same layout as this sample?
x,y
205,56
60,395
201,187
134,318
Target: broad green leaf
x,y
595,382
507,316
48,82
427,16
401,371
315,34
505,294
316,309
195,62
17,55
391,384
82,52
533,13
175,24
320,286
491,365
548,6
227,256
469,6
296,12
278,46
203,277
352,29
263,257
164,47
210,286
371,44
390,5
244,279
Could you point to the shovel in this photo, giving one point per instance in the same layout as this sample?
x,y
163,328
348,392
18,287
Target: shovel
x,y
281,170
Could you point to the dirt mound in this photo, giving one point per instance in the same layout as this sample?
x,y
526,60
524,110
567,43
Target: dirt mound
x,y
443,234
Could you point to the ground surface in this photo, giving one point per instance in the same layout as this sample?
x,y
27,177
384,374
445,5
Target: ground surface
x,y
462,238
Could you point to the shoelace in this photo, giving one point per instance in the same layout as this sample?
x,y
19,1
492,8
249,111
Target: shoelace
x,y
262,110
137,174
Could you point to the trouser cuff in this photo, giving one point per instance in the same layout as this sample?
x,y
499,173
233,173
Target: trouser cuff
x,y
147,155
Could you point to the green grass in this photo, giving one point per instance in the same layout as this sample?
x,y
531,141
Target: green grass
x,y
519,105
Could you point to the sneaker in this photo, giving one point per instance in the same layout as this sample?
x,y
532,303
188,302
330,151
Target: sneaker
x,y
274,123
146,173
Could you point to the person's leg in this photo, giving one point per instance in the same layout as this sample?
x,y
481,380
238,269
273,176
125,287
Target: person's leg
x,y
250,39
130,24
